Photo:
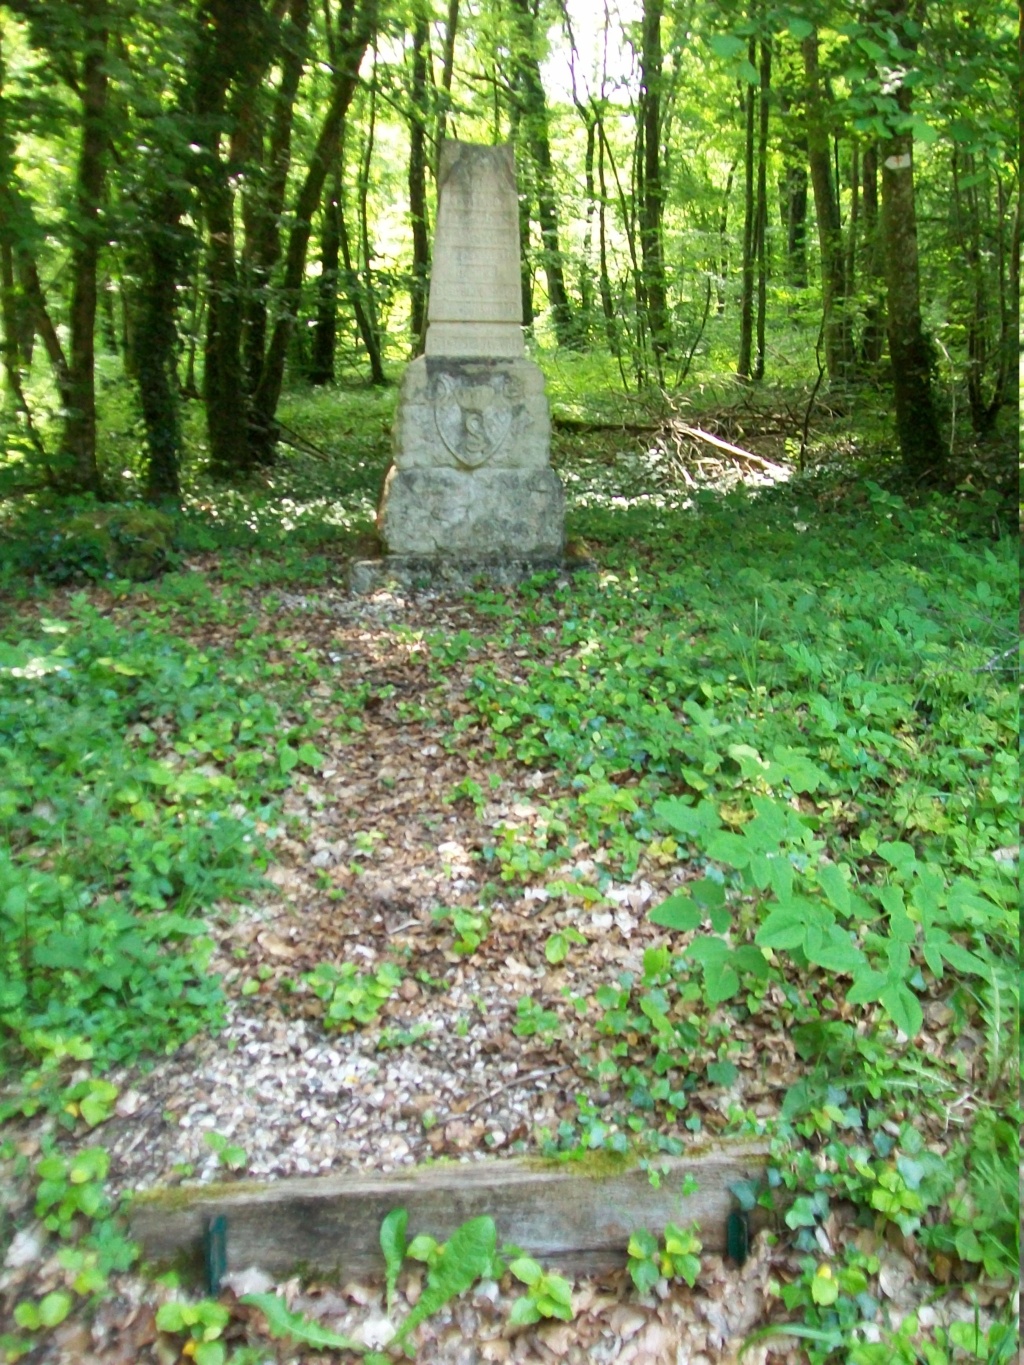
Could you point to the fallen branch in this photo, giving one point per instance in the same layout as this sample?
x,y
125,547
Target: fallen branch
x,y
699,435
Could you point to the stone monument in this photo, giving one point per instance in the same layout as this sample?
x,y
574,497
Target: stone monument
x,y
471,485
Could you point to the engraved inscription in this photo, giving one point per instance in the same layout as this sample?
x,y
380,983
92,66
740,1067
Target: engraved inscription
x,y
474,414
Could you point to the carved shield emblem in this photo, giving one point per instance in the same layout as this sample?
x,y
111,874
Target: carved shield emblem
x,y
473,415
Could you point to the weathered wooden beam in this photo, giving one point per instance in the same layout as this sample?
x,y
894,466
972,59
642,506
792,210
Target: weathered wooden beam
x,y
578,1215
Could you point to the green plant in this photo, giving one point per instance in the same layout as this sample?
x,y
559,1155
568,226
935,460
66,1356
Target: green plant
x,y
471,926
547,1295
229,1155
203,1322
352,997
71,1186
676,1255
533,1020
556,946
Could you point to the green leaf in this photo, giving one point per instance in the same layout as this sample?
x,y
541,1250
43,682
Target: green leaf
x,y
835,887
692,821
26,1314
722,1073
556,949
211,1353
645,1274
526,1270
422,1247
824,1289
867,987
799,28
903,1008
524,1312
170,1317
296,1327
784,927
468,1255
678,912
726,45
836,951
731,849
393,1245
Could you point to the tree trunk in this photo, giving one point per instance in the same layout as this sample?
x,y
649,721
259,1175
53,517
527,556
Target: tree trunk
x,y
723,241
325,333
419,102
447,70
872,269
354,291
359,22
264,203
607,305
530,92
78,437
153,341
652,204
761,211
917,427
743,363
830,237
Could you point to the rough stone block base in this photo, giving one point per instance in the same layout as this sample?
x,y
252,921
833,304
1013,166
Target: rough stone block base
x,y
515,514
416,573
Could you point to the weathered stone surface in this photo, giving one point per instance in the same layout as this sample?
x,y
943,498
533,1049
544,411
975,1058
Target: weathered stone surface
x,y
464,414
471,479
475,306
468,513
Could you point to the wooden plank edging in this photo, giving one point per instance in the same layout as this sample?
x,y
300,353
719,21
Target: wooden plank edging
x,y
576,1215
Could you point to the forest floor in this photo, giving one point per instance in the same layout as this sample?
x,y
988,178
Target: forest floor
x,y
486,872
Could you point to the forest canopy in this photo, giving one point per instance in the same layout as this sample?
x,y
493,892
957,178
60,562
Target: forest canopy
x,y
209,201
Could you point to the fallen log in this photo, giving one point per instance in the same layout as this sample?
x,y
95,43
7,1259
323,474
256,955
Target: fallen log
x,y
578,1215
698,434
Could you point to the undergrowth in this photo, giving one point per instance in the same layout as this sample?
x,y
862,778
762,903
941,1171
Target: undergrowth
x,y
802,702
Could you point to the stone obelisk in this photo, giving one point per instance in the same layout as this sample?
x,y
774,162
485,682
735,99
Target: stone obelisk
x,y
471,480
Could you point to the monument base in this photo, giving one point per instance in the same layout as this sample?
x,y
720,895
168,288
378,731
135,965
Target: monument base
x,y
515,514
414,573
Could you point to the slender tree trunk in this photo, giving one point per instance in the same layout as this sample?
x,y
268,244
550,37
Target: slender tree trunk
x,y
794,199
359,22
743,364
830,236
224,386
607,305
873,335
419,103
263,204
525,200
363,205
9,314
78,438
723,241
325,333
586,278
853,227
653,193
354,291
534,120
922,450
761,212
447,71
